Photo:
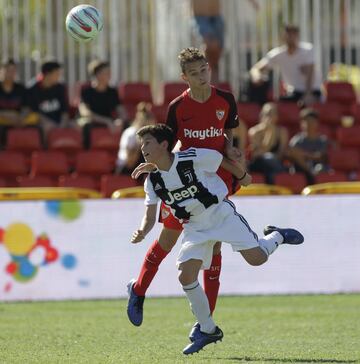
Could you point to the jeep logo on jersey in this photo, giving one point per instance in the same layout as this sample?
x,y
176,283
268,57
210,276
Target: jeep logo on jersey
x,y
202,134
181,194
220,114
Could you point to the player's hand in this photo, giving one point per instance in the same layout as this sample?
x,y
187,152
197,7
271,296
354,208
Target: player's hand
x,y
143,168
233,153
137,236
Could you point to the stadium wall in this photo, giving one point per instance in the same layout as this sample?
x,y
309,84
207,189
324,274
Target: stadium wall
x,y
81,250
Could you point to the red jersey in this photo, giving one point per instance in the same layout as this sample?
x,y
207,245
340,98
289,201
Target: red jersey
x,y
202,124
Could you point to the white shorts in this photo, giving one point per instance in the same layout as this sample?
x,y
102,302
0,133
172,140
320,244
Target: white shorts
x,y
219,223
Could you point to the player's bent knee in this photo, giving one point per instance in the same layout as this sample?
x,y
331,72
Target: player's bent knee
x,y
168,238
254,257
185,278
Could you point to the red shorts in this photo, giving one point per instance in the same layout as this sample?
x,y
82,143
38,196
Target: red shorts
x,y
171,222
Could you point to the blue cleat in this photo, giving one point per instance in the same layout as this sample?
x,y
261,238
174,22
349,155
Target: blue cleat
x,y
194,331
202,339
291,236
135,305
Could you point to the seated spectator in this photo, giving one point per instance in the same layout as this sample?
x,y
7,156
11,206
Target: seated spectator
x,y
268,144
12,99
100,104
129,155
47,98
309,147
296,62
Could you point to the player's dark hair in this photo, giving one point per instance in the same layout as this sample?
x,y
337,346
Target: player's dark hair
x,y
291,28
308,113
96,66
189,55
160,132
50,66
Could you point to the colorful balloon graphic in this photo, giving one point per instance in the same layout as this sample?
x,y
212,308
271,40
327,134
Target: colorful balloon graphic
x,y
68,261
18,239
67,210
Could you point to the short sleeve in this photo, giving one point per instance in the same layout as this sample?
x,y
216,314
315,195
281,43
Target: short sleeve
x,y
151,197
232,120
271,58
208,160
171,119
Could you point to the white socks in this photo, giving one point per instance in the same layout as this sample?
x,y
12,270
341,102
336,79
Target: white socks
x,y
200,306
269,243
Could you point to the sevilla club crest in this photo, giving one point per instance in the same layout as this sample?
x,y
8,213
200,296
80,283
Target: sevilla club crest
x,y
220,114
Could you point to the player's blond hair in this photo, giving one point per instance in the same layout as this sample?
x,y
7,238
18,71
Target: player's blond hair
x,y
189,55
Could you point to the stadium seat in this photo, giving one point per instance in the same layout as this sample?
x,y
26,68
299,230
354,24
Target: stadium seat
x,y
330,177
68,140
346,160
110,183
37,181
104,139
135,92
249,112
12,164
173,90
295,182
348,137
24,140
329,113
341,92
288,114
160,112
93,162
48,163
3,182
78,181
257,178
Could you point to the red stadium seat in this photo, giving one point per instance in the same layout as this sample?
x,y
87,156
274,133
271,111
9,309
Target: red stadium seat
x,y
37,181
68,140
104,139
330,177
257,178
48,163
348,137
3,182
111,183
288,113
295,182
341,92
160,112
93,162
173,90
329,113
25,140
135,92
78,181
346,160
249,112
12,164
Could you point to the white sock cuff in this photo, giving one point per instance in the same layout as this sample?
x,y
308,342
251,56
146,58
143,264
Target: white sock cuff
x,y
191,286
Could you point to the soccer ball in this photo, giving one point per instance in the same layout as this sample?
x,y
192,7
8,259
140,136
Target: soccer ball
x,y
84,22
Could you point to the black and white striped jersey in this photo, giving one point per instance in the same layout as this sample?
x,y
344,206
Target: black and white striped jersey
x,y
190,186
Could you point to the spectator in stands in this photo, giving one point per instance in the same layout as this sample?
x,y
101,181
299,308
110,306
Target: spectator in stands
x,y
129,155
47,97
100,105
296,62
210,25
309,147
268,144
12,99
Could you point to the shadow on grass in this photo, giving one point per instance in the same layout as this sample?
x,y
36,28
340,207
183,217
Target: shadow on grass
x,y
291,360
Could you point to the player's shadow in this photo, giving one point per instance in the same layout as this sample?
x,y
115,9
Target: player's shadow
x,y
291,360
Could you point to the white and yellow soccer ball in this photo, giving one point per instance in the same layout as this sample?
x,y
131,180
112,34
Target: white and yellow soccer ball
x,y
84,22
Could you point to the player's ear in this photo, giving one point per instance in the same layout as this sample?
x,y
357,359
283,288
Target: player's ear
x,y
164,144
184,77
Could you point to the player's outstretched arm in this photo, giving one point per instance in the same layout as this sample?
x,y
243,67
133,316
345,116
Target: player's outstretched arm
x,y
147,224
237,169
143,168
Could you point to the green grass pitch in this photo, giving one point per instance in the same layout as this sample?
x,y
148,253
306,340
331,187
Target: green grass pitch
x,y
257,329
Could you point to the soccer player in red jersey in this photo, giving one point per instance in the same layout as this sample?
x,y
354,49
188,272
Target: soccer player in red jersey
x,y
203,116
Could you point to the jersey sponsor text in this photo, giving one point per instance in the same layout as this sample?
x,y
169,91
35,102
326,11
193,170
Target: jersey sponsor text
x,y
202,134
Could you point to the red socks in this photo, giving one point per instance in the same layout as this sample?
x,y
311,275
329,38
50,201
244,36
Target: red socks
x,y
150,266
212,281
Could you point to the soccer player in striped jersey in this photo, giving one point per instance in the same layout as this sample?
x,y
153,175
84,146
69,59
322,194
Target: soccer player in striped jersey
x,y
186,181
203,117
